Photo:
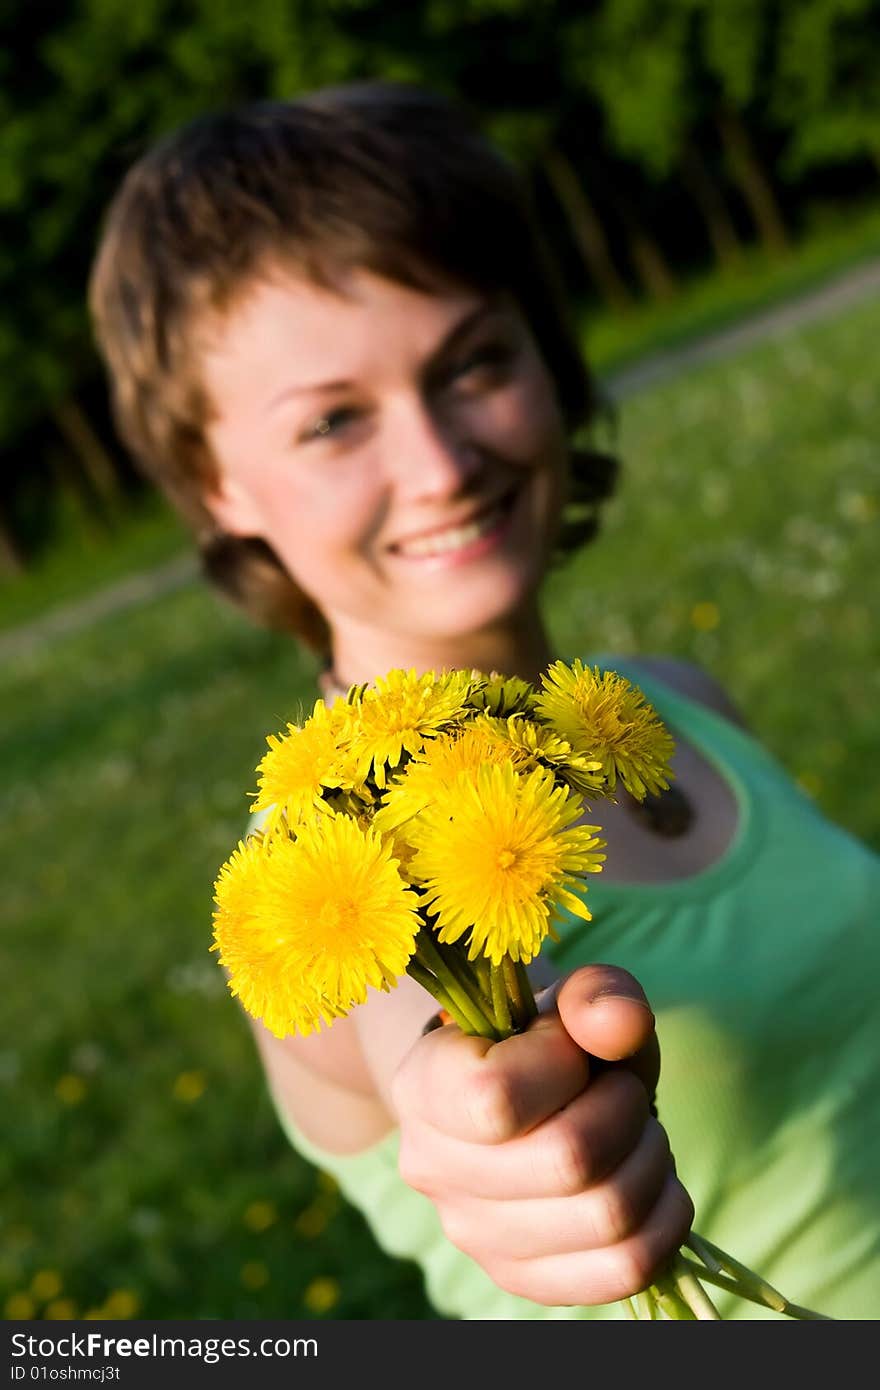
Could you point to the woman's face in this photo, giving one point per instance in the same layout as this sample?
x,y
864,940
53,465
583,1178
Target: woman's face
x,y
403,454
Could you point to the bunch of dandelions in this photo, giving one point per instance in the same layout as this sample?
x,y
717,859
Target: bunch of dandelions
x,y
433,826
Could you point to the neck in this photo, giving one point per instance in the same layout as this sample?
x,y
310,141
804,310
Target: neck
x,y
523,650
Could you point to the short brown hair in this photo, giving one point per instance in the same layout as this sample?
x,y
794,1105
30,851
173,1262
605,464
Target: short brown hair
x,y
382,177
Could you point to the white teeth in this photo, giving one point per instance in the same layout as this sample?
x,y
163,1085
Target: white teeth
x,y
455,538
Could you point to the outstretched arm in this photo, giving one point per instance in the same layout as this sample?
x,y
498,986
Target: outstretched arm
x,y
539,1152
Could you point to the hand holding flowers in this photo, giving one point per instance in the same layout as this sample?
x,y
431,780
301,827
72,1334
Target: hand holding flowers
x,y
434,826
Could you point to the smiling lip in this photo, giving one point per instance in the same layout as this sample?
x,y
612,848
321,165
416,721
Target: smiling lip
x,y
460,541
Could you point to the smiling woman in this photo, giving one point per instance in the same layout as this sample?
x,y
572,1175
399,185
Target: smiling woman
x,y
375,196
414,494
334,340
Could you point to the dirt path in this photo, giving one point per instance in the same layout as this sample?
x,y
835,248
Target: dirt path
x,y
68,618
845,289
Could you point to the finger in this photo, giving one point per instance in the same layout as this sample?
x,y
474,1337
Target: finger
x,y
606,1011
573,1150
490,1093
603,1215
604,1275
645,1064
608,986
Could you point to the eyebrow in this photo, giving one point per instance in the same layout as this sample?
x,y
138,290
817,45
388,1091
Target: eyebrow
x,y
449,343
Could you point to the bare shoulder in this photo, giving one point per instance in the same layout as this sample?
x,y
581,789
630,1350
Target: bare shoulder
x,y
693,682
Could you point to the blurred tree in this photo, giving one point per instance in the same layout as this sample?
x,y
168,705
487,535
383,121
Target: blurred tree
x,y
666,72
85,87
11,559
827,89
507,59
586,228
738,37
648,128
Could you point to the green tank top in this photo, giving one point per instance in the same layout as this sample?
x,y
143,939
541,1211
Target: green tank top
x,y
763,973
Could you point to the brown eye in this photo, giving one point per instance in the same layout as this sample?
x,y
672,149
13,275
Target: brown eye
x,y
489,363
333,423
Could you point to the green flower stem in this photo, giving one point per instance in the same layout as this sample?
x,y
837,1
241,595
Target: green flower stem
x,y
670,1301
723,1281
519,991
722,1263
644,1307
526,990
462,969
500,1001
752,1295
480,967
465,1005
795,1310
417,972
703,1251
746,1279
692,1291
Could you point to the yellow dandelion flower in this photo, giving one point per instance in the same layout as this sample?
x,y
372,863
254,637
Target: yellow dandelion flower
x,y
121,1303
238,883
394,718
606,718
70,1088
311,1222
321,1295
302,763
260,1215
319,919
46,1284
19,1305
530,745
189,1086
254,1275
434,770
705,616
499,695
498,856
241,937
60,1309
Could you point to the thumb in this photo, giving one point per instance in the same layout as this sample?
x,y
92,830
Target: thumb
x,y
606,1012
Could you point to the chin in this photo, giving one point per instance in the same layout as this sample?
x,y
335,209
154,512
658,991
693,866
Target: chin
x,y
501,605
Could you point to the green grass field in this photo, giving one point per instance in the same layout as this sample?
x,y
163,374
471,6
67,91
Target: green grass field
x,y
144,1172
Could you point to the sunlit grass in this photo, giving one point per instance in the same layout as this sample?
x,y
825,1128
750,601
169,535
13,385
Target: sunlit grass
x,y
85,558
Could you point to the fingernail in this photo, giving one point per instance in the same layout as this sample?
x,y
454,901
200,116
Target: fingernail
x,y
605,994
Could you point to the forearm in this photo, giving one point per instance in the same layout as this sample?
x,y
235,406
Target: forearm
x,y
387,1027
334,1086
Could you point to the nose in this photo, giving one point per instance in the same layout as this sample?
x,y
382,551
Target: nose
x,y
430,458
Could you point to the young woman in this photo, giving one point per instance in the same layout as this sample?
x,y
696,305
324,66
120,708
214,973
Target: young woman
x,y
334,340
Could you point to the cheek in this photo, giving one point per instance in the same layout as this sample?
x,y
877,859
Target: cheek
x,y
347,508
541,407
525,424
316,522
